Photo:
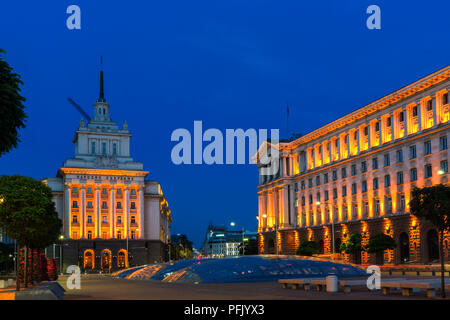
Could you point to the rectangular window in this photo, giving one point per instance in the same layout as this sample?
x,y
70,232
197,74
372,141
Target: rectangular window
x,y
344,173
428,171
427,147
326,197
114,149
444,166
364,186
89,219
89,190
354,188
104,191
401,116
344,191
412,152
295,187
303,201
363,166
387,181
325,178
399,156
89,205
387,160
104,205
74,190
335,193
119,205
103,148
310,183
400,177
375,183
377,205
119,219
302,185
318,181
402,202
89,234
353,169
414,111
105,219
74,204
74,219
133,205
375,163
310,199
334,175
93,147
119,191
318,197
133,219
413,174
445,98
443,143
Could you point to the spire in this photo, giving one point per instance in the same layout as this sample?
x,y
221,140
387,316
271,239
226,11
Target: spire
x,y
102,94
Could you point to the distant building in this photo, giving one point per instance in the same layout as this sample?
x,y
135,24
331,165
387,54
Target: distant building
x,y
112,215
221,242
355,175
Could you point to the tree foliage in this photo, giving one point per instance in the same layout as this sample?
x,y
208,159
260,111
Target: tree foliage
x,y
180,247
352,245
12,114
380,242
27,212
308,248
432,204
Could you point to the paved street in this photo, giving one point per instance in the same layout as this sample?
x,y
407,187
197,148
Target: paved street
x,y
94,287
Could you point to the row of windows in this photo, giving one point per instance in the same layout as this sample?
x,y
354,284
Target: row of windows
x,y
103,150
104,205
428,173
105,191
104,219
104,235
386,162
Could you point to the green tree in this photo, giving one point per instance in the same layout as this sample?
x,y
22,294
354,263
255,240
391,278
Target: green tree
x,y
433,204
180,247
27,212
378,243
251,247
353,246
12,114
308,248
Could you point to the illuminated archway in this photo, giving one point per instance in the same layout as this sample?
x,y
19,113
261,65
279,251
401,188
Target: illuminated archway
x,y
89,259
122,258
105,259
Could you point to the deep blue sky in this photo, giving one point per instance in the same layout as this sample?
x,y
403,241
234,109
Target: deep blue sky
x,y
231,64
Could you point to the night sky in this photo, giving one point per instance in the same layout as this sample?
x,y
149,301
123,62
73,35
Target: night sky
x,y
231,64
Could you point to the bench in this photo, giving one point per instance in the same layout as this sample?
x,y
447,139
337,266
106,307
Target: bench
x,y
408,286
294,283
347,285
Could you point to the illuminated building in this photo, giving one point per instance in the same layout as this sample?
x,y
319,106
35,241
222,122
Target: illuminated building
x,y
112,217
355,175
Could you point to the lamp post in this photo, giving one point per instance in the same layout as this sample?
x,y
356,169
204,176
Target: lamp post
x,y
243,244
61,238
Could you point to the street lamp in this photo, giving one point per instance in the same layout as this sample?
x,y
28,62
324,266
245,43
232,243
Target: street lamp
x,y
440,172
61,238
243,245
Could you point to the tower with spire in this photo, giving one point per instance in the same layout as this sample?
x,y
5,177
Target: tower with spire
x,y
102,143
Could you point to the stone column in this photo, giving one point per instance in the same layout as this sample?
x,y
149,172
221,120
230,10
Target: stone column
x,y
286,206
369,143
113,208
97,213
141,212
83,220
405,121
419,117
127,212
67,210
357,141
435,118
393,136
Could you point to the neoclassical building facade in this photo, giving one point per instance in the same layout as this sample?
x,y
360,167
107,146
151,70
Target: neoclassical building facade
x,y
112,216
355,175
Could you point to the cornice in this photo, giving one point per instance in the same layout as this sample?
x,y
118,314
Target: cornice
x,y
380,104
105,172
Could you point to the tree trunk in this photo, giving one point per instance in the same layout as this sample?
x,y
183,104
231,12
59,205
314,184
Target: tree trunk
x,y
17,267
441,253
25,273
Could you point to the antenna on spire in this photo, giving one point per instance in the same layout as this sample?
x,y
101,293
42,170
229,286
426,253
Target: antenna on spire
x,y
102,93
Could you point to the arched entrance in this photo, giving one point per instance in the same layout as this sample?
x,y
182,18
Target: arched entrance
x,y
122,258
404,247
271,246
433,245
89,263
105,259
337,245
